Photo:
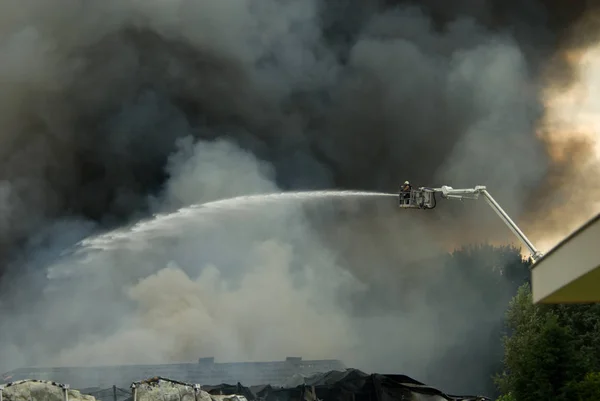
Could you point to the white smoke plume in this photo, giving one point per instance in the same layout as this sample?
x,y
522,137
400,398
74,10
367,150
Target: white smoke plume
x,y
246,282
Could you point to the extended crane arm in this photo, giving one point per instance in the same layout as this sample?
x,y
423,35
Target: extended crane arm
x,y
474,193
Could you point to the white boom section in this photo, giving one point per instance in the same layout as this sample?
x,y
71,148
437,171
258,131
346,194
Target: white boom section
x,y
474,193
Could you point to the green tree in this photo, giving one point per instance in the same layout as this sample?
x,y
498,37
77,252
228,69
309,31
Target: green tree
x,y
550,351
587,389
540,359
506,397
584,322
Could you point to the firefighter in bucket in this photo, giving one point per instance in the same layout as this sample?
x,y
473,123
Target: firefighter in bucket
x,y
405,191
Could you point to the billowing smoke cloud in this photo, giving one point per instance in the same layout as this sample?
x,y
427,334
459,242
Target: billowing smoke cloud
x,y
114,109
571,128
98,96
241,281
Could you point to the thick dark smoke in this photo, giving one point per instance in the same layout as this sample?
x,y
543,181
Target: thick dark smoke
x,y
349,95
112,109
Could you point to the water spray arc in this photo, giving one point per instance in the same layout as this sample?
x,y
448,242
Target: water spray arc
x,y
422,198
161,223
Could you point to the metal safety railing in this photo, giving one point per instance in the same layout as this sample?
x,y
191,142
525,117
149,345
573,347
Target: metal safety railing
x,y
407,198
113,393
135,386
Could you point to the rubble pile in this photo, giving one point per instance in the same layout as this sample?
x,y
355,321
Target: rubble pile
x,y
161,389
348,385
41,390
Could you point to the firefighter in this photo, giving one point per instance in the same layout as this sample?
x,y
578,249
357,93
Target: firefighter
x,y
406,189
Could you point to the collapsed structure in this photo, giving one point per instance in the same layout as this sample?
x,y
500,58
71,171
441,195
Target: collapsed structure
x,y
348,385
293,379
205,371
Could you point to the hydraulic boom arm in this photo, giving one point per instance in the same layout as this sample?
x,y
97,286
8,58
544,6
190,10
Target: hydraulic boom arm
x,y
474,193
